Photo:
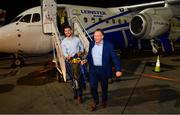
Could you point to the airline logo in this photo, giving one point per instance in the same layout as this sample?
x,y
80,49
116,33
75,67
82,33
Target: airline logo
x,y
94,13
88,12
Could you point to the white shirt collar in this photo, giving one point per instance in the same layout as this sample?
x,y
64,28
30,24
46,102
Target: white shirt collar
x,y
99,43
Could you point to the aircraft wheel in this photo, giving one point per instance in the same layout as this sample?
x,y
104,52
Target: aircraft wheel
x,y
18,62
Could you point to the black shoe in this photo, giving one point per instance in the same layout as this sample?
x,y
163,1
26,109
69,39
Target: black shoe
x,y
104,104
110,81
79,98
93,106
75,97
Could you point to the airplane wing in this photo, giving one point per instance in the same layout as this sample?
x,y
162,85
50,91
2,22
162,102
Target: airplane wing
x,y
138,7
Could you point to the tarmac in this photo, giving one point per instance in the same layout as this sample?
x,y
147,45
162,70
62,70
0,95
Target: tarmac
x,y
34,89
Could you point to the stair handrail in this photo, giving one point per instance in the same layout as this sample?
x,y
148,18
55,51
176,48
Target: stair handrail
x,y
56,41
80,23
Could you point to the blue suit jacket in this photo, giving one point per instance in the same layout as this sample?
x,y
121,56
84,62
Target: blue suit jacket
x,y
109,58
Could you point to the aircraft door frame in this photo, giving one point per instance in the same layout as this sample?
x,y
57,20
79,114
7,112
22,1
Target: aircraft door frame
x,y
62,18
70,15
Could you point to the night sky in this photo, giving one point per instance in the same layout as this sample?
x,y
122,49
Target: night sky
x,y
14,7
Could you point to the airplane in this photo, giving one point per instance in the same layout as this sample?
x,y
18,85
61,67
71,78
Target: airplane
x,y
160,25
28,34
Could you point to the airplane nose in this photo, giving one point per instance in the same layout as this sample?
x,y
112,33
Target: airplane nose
x,y
7,38
5,32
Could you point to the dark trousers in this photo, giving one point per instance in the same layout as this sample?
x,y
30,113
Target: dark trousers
x,y
95,76
77,87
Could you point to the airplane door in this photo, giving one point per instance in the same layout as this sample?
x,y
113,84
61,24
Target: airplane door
x,y
62,19
49,11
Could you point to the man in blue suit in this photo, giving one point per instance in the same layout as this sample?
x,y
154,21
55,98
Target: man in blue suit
x,y
100,57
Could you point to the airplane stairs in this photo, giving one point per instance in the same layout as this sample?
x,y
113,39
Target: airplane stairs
x,y
59,59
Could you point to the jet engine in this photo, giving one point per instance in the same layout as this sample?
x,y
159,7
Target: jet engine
x,y
152,22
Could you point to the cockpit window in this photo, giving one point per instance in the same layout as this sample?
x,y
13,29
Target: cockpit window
x,y
36,17
26,18
16,19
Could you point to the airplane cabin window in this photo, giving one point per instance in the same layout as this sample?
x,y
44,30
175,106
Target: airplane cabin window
x,y
100,19
119,21
26,18
113,21
125,21
16,19
85,20
107,21
93,20
36,17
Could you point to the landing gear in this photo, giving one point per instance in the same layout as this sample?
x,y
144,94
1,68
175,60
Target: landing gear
x,y
18,60
156,46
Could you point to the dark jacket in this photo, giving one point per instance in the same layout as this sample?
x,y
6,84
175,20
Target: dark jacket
x,y
109,57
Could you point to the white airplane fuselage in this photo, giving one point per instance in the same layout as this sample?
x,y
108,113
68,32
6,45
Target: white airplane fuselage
x,y
26,33
25,37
